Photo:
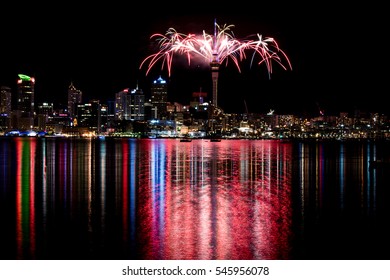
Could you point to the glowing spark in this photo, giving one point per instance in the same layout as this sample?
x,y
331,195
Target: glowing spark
x,y
218,48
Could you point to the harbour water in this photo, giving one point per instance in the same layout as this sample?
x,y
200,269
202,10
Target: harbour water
x,y
162,199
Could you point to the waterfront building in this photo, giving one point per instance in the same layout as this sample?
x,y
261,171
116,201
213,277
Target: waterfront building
x,y
24,115
5,107
45,110
159,97
89,115
135,105
130,105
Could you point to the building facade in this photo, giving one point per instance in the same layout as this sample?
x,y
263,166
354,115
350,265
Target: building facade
x,y
75,96
159,97
130,105
5,107
24,115
135,105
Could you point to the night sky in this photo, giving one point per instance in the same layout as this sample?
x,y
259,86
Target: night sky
x,y
339,54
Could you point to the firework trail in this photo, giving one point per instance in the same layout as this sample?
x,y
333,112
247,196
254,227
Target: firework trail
x,y
215,49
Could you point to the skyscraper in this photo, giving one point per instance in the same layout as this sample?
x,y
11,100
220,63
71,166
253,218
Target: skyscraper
x,y
5,101
159,97
135,105
5,107
25,102
130,104
88,115
120,104
74,97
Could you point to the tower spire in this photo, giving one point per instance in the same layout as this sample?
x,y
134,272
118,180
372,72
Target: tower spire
x,y
214,64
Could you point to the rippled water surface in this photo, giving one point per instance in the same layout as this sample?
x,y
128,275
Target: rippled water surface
x,y
165,199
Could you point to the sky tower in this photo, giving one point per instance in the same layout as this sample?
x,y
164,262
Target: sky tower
x,y
215,49
214,64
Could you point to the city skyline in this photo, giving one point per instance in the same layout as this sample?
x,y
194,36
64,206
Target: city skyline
x,y
101,56
207,97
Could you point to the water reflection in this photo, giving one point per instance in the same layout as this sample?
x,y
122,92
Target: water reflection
x,y
339,214
214,200
25,199
166,199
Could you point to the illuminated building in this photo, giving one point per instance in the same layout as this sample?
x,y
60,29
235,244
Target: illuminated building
x,y
135,105
5,107
88,115
159,97
25,102
44,111
74,97
130,105
120,103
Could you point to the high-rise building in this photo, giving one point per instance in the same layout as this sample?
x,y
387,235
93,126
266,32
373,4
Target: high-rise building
x,y
5,107
25,102
5,101
159,97
135,105
44,112
120,104
104,119
74,97
88,115
130,104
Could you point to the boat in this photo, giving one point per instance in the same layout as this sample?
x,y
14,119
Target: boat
x,y
185,140
215,140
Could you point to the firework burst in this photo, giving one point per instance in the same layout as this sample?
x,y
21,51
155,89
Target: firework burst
x,y
215,49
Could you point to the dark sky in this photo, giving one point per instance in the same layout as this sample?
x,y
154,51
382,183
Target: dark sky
x,y
339,53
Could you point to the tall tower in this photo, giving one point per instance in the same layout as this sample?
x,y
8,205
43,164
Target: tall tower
x,y
25,101
159,98
74,97
214,64
214,76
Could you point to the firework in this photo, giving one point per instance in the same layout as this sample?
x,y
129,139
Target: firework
x,y
215,49
219,48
